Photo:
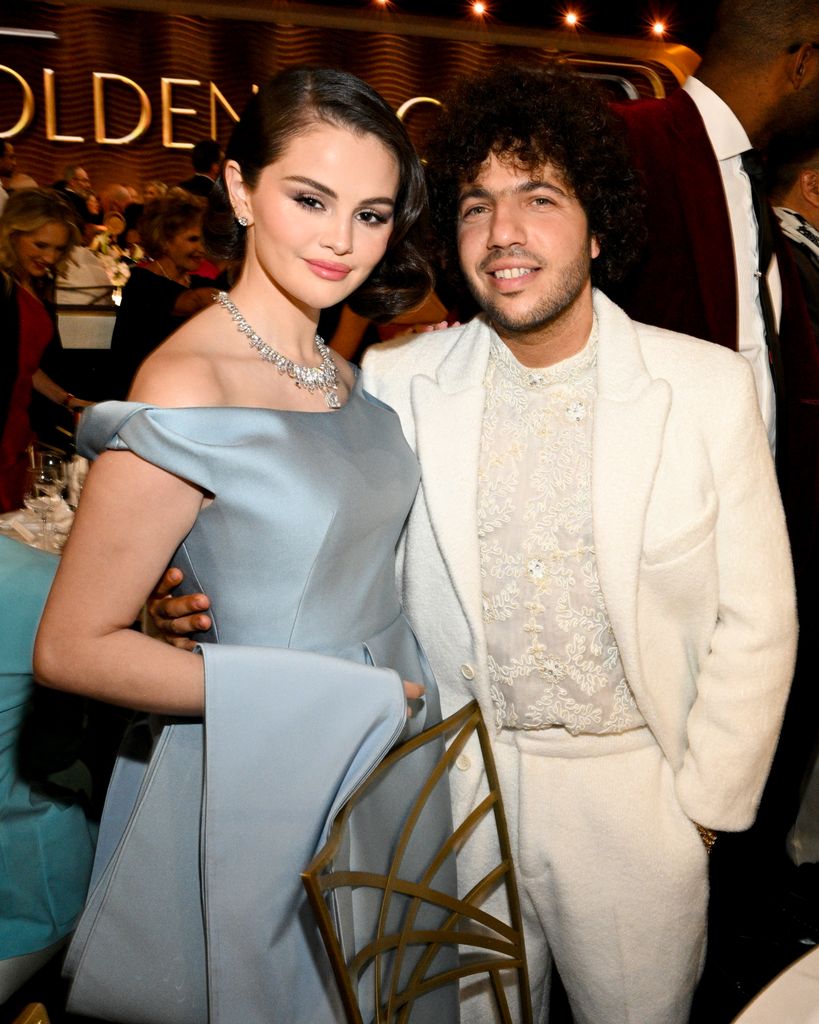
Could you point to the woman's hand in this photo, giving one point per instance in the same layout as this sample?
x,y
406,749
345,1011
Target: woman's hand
x,y
174,617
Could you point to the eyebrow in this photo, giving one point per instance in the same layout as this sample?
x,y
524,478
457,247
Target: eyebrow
x,y
327,191
479,192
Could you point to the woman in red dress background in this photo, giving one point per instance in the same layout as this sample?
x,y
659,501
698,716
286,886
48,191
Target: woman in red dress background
x,y
37,233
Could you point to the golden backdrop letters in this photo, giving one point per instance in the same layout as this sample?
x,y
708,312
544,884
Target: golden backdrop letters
x,y
169,110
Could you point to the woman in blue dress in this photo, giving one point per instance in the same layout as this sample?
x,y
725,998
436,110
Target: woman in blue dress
x,y
249,455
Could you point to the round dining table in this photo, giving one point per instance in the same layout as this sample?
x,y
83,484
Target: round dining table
x,y
791,998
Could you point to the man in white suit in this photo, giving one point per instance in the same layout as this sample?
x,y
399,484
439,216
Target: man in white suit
x,y
597,553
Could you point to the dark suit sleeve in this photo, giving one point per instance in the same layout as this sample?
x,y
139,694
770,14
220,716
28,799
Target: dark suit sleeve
x,y
808,271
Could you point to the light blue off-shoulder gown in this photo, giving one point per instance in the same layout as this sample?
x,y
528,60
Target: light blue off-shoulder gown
x,y
206,830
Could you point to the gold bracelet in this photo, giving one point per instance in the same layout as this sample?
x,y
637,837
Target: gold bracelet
x,y
707,836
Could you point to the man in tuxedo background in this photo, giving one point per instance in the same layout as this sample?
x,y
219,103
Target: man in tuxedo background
x,y
792,172
75,185
206,157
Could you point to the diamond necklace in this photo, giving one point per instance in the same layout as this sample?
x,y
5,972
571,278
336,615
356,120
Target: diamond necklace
x,y
322,378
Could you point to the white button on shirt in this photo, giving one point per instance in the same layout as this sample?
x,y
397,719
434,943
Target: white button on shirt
x,y
730,140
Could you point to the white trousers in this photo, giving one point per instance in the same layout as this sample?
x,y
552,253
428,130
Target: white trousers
x,y
612,877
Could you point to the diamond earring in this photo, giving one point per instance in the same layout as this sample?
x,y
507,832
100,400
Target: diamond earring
x,y
242,221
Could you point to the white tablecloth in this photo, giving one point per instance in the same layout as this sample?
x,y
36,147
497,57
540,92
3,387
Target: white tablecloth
x,y
791,998
26,526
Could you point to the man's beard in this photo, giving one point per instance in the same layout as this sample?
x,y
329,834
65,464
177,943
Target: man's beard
x,y
549,309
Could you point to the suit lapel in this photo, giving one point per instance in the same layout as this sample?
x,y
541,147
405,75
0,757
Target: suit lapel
x,y
630,417
448,413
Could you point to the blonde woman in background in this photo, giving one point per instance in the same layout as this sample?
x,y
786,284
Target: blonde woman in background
x,y
37,232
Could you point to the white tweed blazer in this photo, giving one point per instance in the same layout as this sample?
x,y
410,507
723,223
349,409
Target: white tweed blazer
x,y
689,533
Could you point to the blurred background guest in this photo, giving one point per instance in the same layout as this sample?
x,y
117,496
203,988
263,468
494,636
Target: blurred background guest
x,y
19,180
37,232
8,163
206,157
793,188
115,198
129,240
153,190
94,207
162,293
75,186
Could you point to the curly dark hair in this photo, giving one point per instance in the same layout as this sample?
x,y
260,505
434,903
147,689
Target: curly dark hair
x,y
536,115
291,103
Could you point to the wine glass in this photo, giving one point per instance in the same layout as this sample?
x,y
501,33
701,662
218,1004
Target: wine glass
x,y
52,463
42,494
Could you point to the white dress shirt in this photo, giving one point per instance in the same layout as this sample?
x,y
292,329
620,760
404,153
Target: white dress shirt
x,y
730,140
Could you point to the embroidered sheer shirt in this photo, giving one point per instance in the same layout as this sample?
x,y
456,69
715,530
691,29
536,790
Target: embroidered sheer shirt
x,y
553,659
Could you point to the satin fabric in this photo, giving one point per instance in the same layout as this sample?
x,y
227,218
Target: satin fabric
x,y
207,828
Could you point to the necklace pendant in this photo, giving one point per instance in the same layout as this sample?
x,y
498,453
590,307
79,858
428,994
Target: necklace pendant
x,y
331,398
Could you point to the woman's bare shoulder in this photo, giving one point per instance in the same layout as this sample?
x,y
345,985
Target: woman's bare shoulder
x,y
182,372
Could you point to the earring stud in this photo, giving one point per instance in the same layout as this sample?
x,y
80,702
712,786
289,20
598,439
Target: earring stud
x,y
242,221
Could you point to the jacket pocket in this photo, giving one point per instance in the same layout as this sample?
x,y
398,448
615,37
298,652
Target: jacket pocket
x,y
684,539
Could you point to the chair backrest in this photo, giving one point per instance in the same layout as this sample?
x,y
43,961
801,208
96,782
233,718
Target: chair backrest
x,y
34,1013
402,956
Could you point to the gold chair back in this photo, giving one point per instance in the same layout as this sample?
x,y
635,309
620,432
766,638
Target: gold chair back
x,y
34,1013
399,957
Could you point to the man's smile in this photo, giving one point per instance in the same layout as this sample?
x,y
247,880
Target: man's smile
x,y
512,272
